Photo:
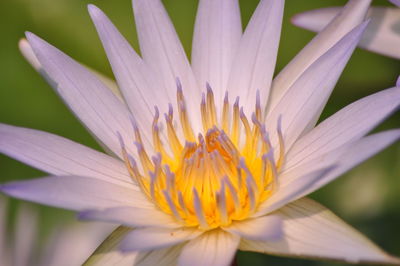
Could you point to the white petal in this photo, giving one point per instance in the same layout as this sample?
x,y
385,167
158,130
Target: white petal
x,y
312,231
25,235
294,186
26,50
380,36
163,52
130,216
303,102
93,103
138,83
265,228
352,15
292,189
347,125
348,157
59,156
145,239
212,248
255,62
75,193
108,252
216,38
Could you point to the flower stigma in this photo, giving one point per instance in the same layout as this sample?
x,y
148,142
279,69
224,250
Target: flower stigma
x,y
211,180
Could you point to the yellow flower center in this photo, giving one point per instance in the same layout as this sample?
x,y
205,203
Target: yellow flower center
x,y
219,177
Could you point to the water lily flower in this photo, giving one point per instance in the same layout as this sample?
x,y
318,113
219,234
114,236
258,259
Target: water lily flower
x,y
207,157
381,36
70,243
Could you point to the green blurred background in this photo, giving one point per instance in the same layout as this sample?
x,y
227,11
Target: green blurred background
x,y
367,197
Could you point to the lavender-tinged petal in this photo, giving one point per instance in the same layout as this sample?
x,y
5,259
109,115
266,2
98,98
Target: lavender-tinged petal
x,y
140,86
212,248
216,39
75,193
304,101
355,154
26,50
132,217
163,52
380,36
347,125
300,181
59,156
108,253
254,64
312,231
351,15
91,101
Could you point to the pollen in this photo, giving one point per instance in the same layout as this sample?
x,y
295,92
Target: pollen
x,y
212,178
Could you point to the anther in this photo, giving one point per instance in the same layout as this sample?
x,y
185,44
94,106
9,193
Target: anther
x,y
258,105
211,105
235,123
170,111
172,205
120,140
221,201
225,114
232,192
198,208
203,111
182,203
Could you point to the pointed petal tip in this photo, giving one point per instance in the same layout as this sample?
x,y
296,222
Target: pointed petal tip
x,y
92,7
23,43
298,19
30,36
94,11
398,82
27,52
84,215
308,19
34,40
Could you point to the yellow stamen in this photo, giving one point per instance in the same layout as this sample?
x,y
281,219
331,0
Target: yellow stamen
x,y
225,114
215,179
